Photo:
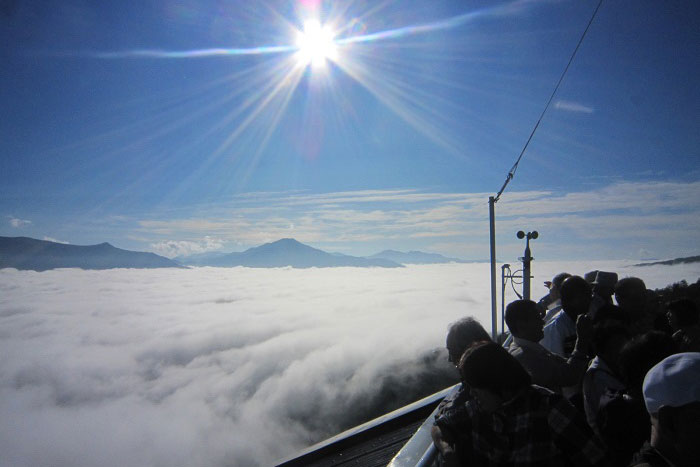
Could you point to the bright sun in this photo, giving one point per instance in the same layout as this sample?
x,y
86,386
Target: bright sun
x,y
316,44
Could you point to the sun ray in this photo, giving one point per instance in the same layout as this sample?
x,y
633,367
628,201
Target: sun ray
x,y
292,80
387,91
286,76
372,60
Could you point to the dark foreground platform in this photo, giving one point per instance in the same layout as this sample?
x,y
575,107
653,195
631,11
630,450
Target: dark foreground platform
x,y
400,439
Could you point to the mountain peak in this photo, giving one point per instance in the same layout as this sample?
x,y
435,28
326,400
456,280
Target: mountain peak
x,y
286,241
285,244
291,252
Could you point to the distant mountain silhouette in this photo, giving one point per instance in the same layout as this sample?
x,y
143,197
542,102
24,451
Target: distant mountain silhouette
x,y
40,255
288,252
670,262
414,257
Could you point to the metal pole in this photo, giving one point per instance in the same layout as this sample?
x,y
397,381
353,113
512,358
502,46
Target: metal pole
x,y
526,269
503,296
494,311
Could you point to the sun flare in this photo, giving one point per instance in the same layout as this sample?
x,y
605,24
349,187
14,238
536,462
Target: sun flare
x,y
316,44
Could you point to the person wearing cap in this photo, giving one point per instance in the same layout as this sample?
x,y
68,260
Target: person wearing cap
x,y
672,398
603,289
554,301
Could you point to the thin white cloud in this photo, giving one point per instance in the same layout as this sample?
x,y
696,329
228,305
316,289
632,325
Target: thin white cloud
x,y
397,216
374,196
173,248
51,239
18,223
644,197
518,7
573,107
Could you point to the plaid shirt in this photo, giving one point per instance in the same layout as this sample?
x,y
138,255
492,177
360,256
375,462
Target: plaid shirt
x,y
454,400
537,428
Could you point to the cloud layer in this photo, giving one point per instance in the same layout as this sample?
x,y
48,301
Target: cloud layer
x,y
213,366
613,221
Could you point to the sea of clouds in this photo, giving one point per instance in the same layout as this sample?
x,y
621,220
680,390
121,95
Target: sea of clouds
x,y
213,367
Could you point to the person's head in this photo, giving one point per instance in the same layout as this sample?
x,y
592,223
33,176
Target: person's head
x,y
640,354
609,314
493,375
672,397
652,301
682,313
524,320
604,285
630,294
590,276
555,288
575,296
461,334
608,340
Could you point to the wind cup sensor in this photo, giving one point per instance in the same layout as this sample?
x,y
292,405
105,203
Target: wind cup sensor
x,y
530,235
526,259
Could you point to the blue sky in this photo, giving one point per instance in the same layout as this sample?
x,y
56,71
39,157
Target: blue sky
x,y
395,143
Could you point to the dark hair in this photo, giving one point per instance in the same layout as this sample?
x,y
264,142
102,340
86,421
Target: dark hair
x,y
604,333
643,352
609,312
463,333
572,287
518,311
630,286
685,310
559,279
487,365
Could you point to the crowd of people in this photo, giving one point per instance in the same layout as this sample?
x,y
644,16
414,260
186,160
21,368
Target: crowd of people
x,y
599,372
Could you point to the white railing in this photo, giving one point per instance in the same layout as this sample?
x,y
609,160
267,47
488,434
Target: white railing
x,y
420,451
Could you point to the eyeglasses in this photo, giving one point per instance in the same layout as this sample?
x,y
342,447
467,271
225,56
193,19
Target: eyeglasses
x,y
452,360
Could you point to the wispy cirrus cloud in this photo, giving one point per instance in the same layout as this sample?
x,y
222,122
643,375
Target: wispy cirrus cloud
x,y
362,221
639,196
18,223
570,106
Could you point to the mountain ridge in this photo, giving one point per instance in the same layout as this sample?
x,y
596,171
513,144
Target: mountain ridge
x,y
40,255
289,252
26,253
670,262
415,257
